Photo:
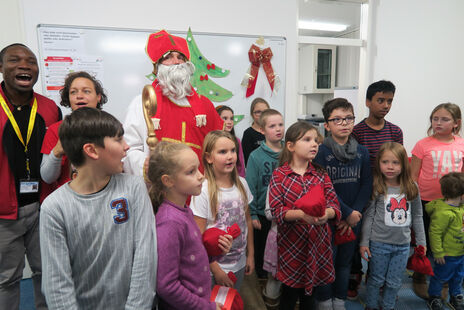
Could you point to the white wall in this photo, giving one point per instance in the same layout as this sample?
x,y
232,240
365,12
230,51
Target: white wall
x,y
347,74
418,46
11,24
416,43
218,16
329,11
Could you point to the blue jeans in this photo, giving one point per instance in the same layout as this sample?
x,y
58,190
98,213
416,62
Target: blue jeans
x,y
452,272
387,266
343,258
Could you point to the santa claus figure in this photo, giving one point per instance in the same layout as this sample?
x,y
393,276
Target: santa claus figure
x,y
182,116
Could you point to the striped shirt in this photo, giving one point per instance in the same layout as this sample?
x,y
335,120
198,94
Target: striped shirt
x,y
98,250
373,139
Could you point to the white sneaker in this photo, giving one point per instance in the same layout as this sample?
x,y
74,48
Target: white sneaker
x,y
338,304
325,305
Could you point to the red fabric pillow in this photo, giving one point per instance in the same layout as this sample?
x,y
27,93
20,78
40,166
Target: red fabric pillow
x,y
211,238
313,202
419,262
348,236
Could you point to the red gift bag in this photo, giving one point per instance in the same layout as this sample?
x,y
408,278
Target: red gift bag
x,y
418,262
227,296
313,202
348,236
211,238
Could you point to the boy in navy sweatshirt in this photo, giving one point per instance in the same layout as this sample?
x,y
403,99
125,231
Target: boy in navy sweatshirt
x,y
347,164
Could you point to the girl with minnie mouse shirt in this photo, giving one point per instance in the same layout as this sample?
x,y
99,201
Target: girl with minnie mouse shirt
x,y
387,222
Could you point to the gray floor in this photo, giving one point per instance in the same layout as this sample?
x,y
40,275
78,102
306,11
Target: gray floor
x,y
253,301
407,300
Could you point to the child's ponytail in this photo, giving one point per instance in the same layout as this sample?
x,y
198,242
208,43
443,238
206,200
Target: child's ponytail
x,y
163,160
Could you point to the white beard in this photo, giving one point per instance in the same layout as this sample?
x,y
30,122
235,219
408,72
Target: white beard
x,y
175,79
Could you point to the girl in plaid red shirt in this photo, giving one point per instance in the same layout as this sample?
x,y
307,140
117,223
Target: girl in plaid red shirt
x,y
303,241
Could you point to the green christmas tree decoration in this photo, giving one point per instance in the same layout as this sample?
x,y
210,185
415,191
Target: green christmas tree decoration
x,y
204,69
151,76
238,118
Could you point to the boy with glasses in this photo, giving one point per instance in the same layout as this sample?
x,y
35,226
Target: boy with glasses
x,y
347,163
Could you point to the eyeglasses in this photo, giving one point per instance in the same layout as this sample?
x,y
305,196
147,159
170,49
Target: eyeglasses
x,y
338,121
258,112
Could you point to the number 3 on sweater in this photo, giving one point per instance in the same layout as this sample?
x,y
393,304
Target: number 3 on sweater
x,y
122,214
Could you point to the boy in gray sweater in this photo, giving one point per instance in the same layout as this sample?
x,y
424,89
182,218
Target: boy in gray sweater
x,y
97,231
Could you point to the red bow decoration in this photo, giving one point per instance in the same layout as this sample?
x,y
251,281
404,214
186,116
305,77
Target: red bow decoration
x,y
419,262
212,66
395,205
348,236
211,238
205,77
313,202
258,57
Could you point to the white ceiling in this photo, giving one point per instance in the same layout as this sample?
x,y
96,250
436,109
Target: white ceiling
x,y
347,12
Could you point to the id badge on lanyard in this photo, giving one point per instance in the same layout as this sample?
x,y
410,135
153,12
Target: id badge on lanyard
x,y
27,185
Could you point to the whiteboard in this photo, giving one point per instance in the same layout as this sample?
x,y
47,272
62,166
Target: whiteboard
x,y
117,58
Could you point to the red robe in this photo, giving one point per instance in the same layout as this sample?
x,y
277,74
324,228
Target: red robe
x,y
179,124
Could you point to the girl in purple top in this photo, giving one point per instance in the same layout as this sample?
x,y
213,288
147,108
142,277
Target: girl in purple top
x,y
183,279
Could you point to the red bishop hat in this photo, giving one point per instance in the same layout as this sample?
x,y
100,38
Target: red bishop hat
x,y
161,43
